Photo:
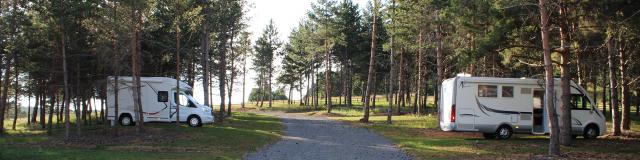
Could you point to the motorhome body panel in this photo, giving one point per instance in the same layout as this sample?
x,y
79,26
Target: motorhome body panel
x,y
153,89
484,103
447,100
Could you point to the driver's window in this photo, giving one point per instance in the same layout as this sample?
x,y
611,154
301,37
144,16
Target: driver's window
x,y
580,102
183,99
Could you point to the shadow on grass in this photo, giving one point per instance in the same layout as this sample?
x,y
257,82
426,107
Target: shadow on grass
x,y
244,132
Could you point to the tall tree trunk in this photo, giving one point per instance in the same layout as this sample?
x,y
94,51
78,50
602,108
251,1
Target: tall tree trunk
x,y
29,107
637,102
244,76
222,76
327,73
625,87
554,147
58,109
52,101
77,102
290,94
565,78
5,92
439,63
315,82
136,16
36,106
372,63
401,86
349,97
391,69
43,101
178,63
604,90
419,68
116,89
205,41
65,72
15,99
233,73
269,85
613,84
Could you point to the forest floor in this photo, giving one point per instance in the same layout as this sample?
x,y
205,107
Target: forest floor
x,y
238,135
420,137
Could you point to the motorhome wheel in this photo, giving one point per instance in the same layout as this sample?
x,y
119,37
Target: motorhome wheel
x,y
504,132
194,121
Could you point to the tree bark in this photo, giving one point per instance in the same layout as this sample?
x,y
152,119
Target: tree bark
x,y
205,41
391,70
439,63
554,147
178,63
604,90
53,102
613,85
135,67
327,73
222,76
77,103
15,99
233,74
5,92
625,87
565,78
29,108
372,64
244,76
419,68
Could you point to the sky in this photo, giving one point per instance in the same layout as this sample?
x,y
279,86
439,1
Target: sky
x,y
286,14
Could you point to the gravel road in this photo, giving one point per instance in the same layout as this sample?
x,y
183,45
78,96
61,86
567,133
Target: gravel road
x,y
313,137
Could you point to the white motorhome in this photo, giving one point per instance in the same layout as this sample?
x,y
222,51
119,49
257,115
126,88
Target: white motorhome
x,y
158,96
500,107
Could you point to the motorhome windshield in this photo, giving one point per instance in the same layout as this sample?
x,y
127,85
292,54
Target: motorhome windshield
x,y
193,99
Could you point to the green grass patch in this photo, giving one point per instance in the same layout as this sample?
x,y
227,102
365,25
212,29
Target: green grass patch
x,y
240,134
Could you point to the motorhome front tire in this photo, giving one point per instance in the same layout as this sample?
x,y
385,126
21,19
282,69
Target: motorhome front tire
x,y
126,120
591,132
194,121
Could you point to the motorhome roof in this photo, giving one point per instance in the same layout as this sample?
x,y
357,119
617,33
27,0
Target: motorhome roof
x,y
153,80
502,80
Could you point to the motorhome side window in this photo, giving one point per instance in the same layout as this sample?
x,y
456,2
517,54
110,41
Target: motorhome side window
x,y
487,91
507,91
163,96
580,102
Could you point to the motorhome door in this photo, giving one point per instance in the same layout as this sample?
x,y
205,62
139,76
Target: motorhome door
x,y
538,126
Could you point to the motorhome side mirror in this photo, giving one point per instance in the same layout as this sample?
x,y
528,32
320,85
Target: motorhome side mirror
x,y
163,96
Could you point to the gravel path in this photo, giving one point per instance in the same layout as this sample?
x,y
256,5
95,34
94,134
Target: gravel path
x,y
313,137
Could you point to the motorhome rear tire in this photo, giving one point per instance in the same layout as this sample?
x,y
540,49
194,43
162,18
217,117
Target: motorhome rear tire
x,y
194,121
591,132
126,120
504,132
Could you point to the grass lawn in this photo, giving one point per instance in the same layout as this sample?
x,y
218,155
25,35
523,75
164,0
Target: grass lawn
x,y
240,134
420,137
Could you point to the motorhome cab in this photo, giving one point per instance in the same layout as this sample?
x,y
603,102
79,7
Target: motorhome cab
x,y
499,107
158,96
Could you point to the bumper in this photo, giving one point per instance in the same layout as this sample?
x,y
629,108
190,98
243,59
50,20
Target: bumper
x,y
207,119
